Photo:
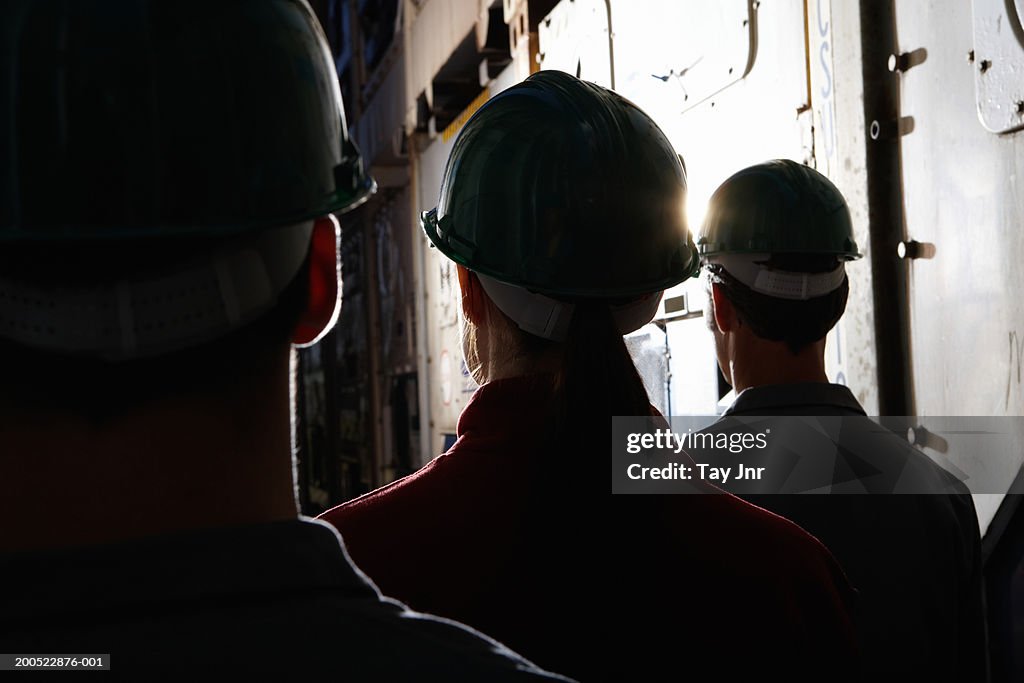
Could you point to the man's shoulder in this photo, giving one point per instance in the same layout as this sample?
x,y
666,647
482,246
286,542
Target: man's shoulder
x,y
821,438
762,530
278,637
383,640
270,601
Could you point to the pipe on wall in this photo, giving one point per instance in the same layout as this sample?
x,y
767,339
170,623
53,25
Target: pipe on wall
x,y
885,211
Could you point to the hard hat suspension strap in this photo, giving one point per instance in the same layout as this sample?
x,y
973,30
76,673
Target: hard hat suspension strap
x,y
549,318
191,305
781,284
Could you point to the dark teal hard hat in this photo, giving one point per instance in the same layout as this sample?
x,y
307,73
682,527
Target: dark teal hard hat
x,y
567,189
778,207
136,118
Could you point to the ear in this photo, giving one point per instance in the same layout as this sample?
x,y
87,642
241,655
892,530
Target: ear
x,y
324,302
474,306
726,319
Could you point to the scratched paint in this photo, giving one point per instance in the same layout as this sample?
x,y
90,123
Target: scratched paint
x,y
1013,367
823,84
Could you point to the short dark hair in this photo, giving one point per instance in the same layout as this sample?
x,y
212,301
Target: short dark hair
x,y
100,389
797,323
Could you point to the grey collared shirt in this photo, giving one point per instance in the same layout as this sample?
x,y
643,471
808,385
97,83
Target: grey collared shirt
x,y
914,559
804,398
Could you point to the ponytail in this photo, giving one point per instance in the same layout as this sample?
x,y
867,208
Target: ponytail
x,y
597,377
594,379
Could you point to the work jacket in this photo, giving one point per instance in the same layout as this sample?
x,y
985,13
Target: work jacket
x,y
914,558
278,601
515,532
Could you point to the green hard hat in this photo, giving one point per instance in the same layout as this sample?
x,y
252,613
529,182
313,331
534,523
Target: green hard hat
x,y
135,118
566,189
778,207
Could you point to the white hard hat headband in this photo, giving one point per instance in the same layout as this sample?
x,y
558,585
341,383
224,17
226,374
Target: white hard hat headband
x,y
191,305
549,318
781,284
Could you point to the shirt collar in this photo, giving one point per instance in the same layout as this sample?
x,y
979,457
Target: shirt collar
x,y
522,401
768,399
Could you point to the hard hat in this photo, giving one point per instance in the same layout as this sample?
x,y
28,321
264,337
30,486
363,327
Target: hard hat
x,y
567,189
778,207
134,118
130,121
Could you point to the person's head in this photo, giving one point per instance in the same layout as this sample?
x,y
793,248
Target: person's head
x,y
166,200
563,205
774,243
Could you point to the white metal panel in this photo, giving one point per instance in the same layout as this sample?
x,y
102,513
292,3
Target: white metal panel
x,y
822,101
438,26
693,387
835,60
752,120
963,194
999,64
448,384
448,388
573,38
693,50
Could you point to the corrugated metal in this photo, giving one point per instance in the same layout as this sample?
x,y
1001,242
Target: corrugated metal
x,y
438,26
379,130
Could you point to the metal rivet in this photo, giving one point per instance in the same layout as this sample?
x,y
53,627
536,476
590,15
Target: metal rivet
x,y
912,249
970,56
1019,107
884,129
984,65
899,62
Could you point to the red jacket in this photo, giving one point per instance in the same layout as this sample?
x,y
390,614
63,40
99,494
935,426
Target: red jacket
x,y
529,546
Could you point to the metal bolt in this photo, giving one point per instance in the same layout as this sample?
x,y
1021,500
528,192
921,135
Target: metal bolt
x,y
900,62
984,65
912,249
970,56
907,249
883,129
